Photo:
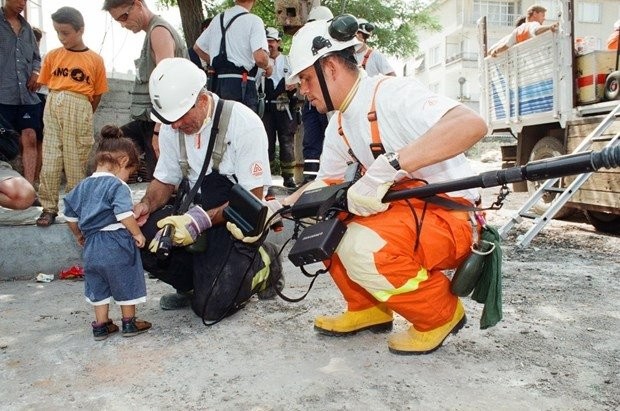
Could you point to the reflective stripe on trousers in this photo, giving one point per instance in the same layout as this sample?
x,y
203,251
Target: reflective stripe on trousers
x,y
376,262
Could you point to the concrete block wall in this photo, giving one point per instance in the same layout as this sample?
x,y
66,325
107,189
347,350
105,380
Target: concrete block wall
x,y
26,249
114,106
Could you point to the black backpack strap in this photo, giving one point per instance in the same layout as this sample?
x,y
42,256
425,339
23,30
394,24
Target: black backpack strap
x,y
205,165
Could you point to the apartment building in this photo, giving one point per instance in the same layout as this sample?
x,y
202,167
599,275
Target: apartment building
x,y
448,60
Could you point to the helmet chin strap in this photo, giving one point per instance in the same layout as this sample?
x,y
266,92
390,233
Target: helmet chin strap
x,y
323,84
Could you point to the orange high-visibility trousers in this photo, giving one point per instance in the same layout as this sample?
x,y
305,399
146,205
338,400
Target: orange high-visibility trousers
x,y
376,262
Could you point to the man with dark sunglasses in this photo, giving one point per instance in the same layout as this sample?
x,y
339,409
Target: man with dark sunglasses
x,y
161,41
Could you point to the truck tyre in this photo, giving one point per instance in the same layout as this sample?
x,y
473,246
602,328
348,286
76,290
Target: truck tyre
x,y
547,147
612,86
604,222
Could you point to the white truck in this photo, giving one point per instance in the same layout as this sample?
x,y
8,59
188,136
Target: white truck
x,y
551,99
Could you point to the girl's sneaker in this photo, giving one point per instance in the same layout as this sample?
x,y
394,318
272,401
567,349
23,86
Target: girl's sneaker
x,y
133,326
101,331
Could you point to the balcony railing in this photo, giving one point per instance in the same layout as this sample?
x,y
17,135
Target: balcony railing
x,y
493,19
465,56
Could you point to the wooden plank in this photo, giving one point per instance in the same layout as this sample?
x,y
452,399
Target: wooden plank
x,y
603,198
599,181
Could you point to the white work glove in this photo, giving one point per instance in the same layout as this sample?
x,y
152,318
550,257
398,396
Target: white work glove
x,y
272,207
364,196
187,227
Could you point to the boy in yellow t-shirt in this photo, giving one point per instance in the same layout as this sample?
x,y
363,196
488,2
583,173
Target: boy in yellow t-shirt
x,y
75,76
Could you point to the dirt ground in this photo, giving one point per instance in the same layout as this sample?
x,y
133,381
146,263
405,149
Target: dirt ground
x,y
558,347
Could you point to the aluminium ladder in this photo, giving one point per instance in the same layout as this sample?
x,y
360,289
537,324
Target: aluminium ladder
x,y
540,221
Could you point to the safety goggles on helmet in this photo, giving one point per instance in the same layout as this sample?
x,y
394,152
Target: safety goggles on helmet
x,y
174,86
318,38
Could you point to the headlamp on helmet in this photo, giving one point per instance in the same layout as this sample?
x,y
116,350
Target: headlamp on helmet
x,y
319,38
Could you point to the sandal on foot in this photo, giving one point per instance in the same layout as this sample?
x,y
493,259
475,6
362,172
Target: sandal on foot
x,y
46,219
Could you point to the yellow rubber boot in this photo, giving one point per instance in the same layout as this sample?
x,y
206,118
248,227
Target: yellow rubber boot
x,y
414,342
376,319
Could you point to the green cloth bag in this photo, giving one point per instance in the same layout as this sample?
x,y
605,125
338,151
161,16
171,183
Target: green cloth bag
x,y
488,291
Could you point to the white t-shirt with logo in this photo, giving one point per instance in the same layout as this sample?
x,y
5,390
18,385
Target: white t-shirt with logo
x,y
246,156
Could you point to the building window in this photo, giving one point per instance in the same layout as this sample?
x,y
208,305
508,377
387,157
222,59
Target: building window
x,y
499,13
554,9
588,12
434,57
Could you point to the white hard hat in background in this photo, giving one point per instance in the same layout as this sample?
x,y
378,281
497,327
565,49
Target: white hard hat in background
x,y
273,33
312,42
364,26
320,13
174,86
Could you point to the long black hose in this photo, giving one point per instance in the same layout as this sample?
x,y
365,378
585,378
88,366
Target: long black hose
x,y
561,166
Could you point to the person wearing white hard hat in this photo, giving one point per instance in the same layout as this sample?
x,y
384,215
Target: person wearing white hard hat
x,y
187,112
235,47
320,13
314,123
371,60
392,256
161,41
279,113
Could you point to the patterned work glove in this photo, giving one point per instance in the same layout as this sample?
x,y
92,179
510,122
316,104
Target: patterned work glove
x,y
187,227
364,197
272,207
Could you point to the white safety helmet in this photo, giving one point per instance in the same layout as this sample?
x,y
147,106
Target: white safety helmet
x,y
174,87
617,25
312,42
320,13
273,33
364,26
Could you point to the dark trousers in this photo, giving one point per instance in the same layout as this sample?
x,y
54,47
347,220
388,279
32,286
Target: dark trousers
x,y
235,89
280,129
141,133
221,275
314,124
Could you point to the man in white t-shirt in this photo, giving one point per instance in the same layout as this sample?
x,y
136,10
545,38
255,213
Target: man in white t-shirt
x,y
236,56
371,60
220,278
392,256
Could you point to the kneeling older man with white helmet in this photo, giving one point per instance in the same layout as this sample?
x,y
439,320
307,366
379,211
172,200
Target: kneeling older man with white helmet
x,y
219,278
392,256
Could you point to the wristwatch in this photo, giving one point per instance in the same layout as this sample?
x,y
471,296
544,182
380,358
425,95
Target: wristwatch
x,y
392,158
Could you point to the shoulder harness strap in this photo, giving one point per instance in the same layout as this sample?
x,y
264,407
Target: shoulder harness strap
x,y
365,59
220,145
225,29
376,147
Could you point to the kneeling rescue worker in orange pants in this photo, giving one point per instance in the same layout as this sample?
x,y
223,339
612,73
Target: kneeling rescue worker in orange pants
x,y
391,257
